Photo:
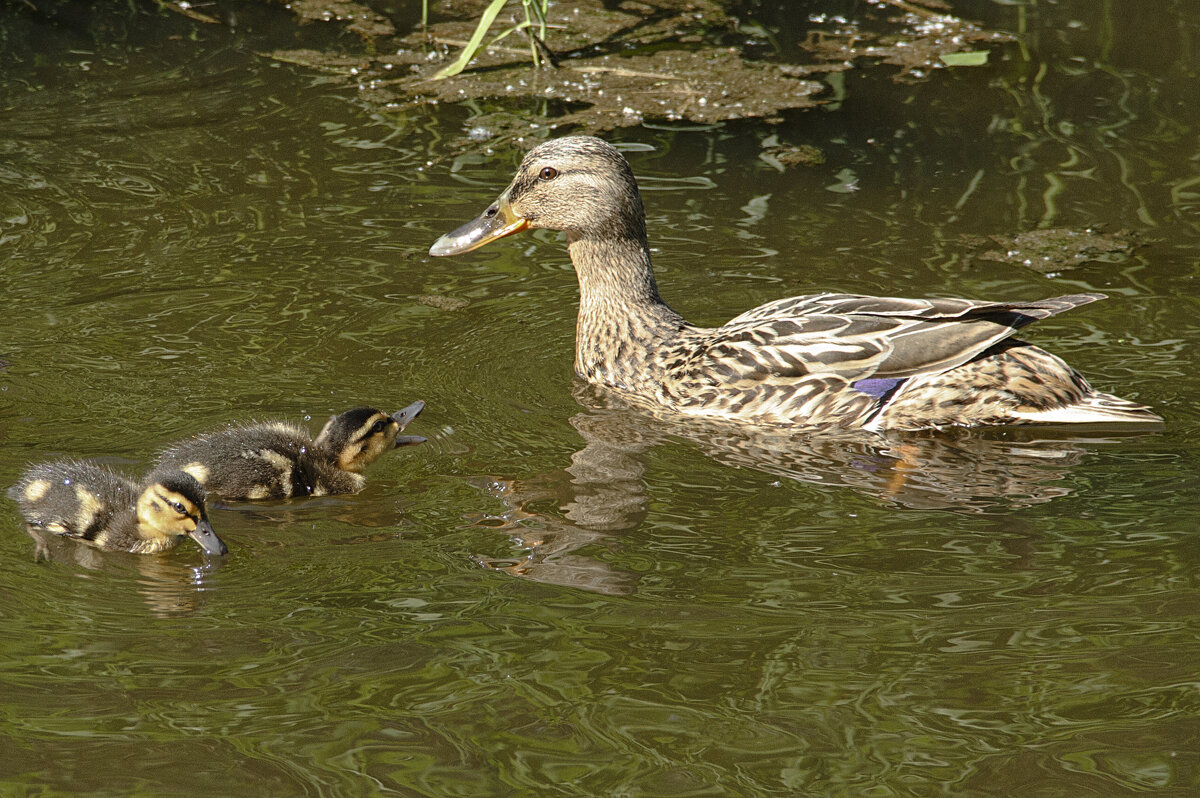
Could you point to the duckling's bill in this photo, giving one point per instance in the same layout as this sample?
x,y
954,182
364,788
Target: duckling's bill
x,y
404,417
496,222
206,537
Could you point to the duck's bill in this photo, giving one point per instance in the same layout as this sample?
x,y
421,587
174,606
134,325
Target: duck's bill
x,y
405,416
409,440
207,538
496,222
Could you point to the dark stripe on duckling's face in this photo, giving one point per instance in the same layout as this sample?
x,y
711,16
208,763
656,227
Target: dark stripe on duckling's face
x,y
376,435
173,507
358,437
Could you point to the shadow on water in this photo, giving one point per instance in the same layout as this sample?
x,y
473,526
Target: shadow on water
x,y
603,492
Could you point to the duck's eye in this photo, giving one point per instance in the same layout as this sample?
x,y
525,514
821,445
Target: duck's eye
x,y
548,173
179,508
492,211
378,427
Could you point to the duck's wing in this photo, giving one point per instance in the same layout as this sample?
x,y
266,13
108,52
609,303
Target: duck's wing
x,y
864,337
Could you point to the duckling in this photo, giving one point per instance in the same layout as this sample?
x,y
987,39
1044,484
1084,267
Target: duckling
x,y
278,460
824,360
96,505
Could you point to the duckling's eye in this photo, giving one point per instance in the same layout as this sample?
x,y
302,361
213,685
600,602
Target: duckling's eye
x,y
548,173
179,508
378,427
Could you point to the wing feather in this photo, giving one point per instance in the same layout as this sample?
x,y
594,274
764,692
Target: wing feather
x,y
858,337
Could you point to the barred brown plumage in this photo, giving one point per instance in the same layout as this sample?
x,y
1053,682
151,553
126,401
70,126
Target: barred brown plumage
x,y
793,362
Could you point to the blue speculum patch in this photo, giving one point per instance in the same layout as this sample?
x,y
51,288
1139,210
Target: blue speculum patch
x,y
879,387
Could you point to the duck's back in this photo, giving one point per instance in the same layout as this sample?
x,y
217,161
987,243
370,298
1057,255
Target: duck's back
x,y
272,460
886,363
78,499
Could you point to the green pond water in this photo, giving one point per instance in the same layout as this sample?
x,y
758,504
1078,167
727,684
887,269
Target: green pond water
x,y
554,596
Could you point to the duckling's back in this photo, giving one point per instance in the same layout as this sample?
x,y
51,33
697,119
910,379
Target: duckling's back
x,y
274,460
74,498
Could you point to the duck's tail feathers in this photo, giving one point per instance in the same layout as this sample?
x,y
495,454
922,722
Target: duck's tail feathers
x,y
1094,408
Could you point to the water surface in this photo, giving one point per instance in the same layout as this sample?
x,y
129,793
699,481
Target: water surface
x,y
556,596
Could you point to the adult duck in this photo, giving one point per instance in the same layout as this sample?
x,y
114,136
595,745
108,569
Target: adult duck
x,y
826,360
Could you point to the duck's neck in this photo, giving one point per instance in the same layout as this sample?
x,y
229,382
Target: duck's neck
x,y
623,323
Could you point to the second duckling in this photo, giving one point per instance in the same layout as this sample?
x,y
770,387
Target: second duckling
x,y
278,460
95,505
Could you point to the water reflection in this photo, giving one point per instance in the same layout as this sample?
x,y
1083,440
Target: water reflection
x,y
603,491
169,586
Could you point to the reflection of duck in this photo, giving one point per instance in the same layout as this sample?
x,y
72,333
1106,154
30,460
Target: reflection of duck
x,y
276,460
976,471
833,360
94,504
170,586
602,494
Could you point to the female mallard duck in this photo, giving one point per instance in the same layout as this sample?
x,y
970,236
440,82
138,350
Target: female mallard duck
x,y
93,504
277,460
840,360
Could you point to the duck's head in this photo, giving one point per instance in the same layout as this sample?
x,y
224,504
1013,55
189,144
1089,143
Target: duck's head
x,y
578,184
172,506
360,436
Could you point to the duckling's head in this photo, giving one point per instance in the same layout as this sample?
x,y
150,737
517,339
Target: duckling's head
x,y
360,436
578,184
171,506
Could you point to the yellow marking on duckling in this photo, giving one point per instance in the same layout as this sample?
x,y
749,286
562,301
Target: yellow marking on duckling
x,y
152,510
276,459
199,471
153,545
282,464
348,457
89,508
37,489
258,492
285,428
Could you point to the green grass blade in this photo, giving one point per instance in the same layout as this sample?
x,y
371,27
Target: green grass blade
x,y
464,58
968,58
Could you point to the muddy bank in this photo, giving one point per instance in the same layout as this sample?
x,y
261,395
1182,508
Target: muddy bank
x,y
611,65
